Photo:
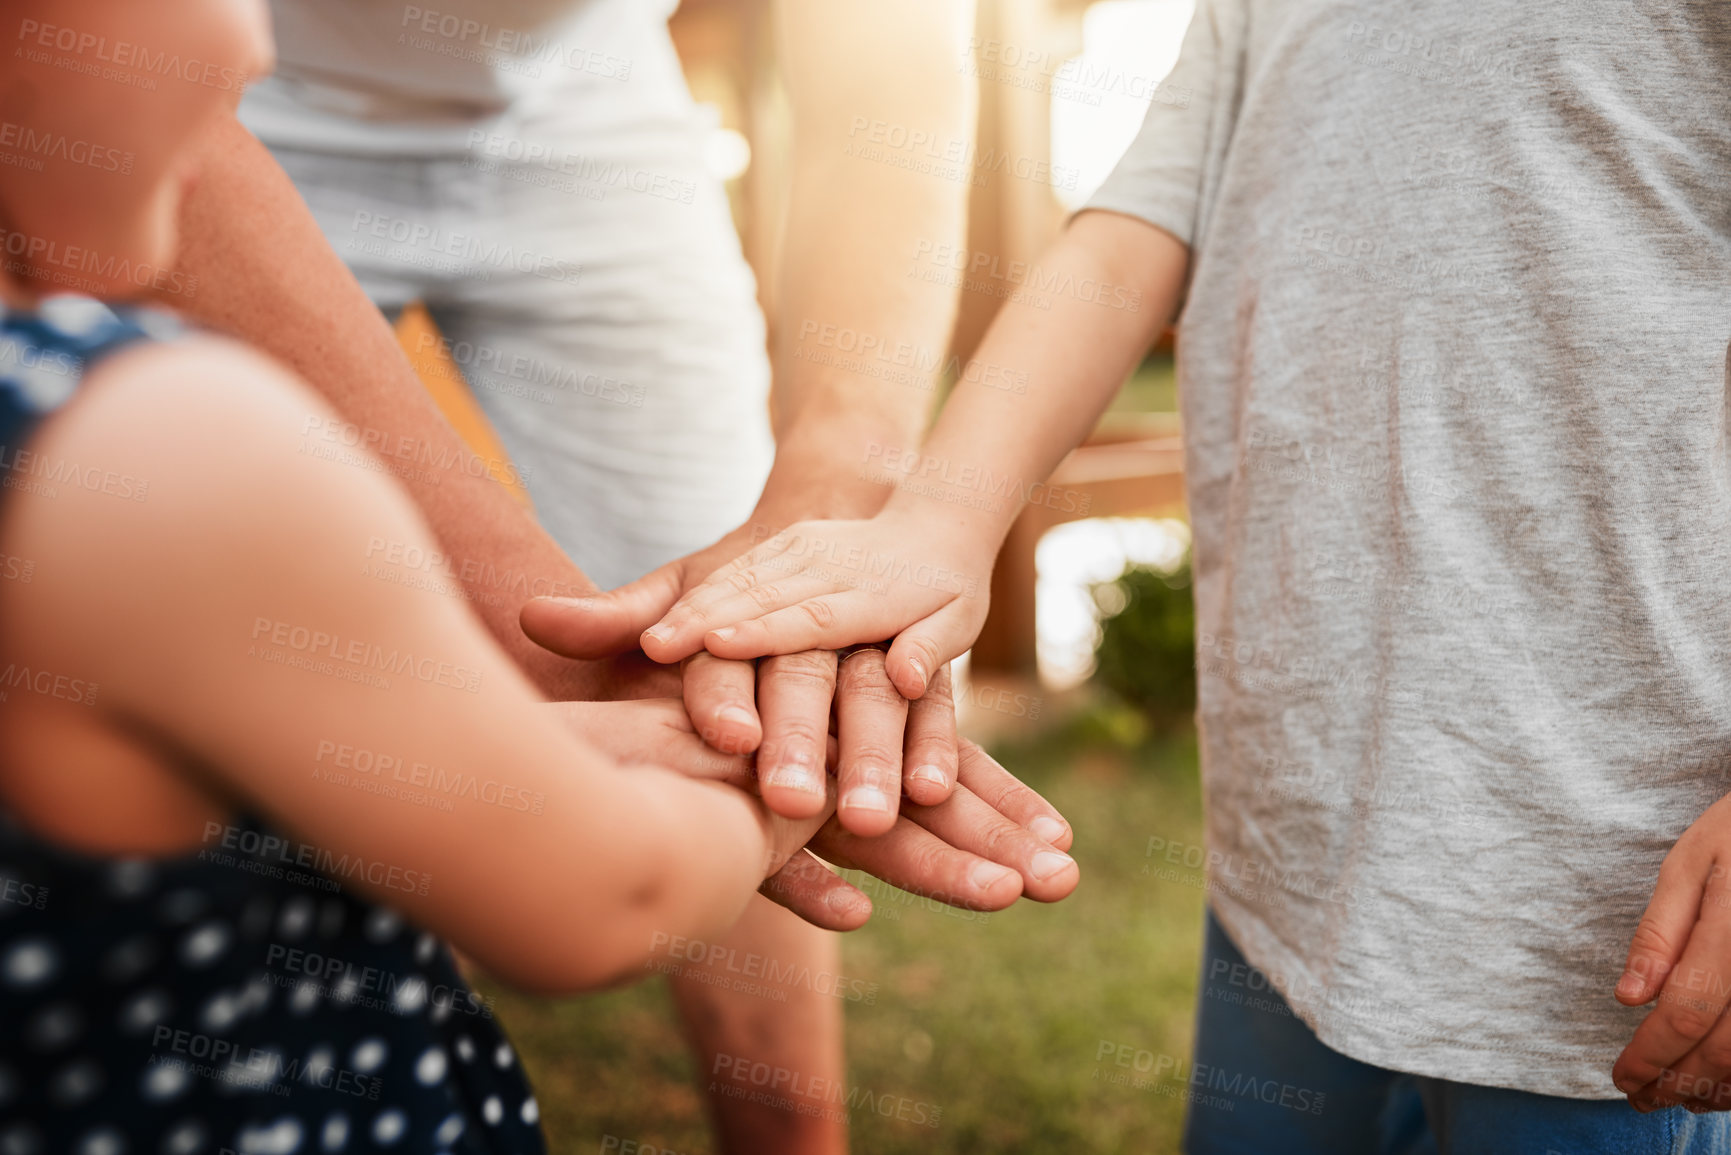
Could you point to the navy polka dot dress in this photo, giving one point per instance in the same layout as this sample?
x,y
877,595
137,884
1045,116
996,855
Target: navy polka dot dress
x,y
225,1001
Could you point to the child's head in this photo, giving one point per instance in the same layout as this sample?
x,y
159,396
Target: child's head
x,y
100,103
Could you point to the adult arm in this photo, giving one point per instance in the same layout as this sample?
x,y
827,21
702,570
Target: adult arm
x,y
855,71
263,271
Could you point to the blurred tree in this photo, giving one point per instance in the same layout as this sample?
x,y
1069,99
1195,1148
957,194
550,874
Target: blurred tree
x,y
1147,652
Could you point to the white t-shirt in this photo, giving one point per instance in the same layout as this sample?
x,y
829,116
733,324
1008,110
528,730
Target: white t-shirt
x,y
371,77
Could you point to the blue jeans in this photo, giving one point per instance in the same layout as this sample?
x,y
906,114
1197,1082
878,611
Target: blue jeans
x,y
1328,1104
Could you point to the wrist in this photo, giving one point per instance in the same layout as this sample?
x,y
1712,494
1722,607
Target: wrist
x,y
973,514
825,469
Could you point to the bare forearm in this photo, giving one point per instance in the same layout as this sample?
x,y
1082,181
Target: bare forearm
x,y
266,275
1072,358
860,344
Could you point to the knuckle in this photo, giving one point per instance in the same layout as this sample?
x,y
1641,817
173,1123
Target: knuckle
x,y
819,612
873,757
742,581
816,665
1649,949
932,865
863,678
1689,1018
796,731
1715,1052
761,596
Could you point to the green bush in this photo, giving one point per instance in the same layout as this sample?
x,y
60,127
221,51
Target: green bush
x,y
1147,652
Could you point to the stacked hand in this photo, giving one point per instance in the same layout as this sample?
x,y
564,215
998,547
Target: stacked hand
x,y
970,834
838,583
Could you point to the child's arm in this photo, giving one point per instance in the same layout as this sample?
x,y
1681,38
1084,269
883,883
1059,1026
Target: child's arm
x,y
212,599
919,570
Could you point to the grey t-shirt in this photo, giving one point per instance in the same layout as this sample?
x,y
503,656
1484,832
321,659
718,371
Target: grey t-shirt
x,y
1453,372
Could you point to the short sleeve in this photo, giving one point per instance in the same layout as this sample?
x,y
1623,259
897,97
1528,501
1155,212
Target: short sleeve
x,y
1161,177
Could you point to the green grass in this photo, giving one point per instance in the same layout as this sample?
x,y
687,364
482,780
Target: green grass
x,y
996,1022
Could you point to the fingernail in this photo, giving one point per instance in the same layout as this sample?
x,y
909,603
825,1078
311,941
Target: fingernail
x,y
736,714
1629,986
1047,829
658,633
1048,863
1626,1084
986,875
928,774
796,773
919,671
867,798
723,634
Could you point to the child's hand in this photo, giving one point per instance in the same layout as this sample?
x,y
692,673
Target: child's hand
x,y
829,584
1681,953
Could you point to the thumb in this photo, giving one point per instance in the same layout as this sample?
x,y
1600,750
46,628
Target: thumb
x,y
930,644
1663,931
602,624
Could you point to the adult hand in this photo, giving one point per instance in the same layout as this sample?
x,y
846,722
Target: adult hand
x,y
989,842
782,708
992,841
1681,955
